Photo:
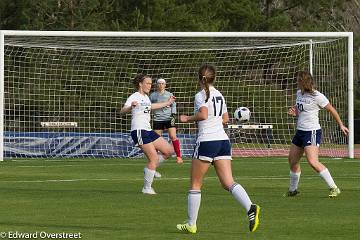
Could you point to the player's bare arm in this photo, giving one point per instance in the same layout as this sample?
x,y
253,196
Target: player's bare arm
x,y
127,109
335,114
202,114
225,118
169,102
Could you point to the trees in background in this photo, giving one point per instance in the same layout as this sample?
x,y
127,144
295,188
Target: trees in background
x,y
173,15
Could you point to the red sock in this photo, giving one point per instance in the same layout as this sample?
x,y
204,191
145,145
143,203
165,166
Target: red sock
x,y
176,144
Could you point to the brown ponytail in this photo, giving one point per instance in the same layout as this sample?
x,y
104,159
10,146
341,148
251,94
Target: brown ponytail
x,y
207,74
305,82
138,79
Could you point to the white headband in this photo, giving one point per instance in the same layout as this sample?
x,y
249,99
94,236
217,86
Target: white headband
x,y
161,80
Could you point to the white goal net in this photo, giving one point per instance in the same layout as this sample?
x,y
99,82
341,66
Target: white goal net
x,y
62,94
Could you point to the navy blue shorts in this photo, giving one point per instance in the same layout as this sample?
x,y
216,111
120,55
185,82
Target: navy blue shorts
x,y
307,138
212,150
141,136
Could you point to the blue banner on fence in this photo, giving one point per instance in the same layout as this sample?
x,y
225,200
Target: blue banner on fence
x,y
72,144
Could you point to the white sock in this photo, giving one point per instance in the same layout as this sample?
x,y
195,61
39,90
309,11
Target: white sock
x,y
241,195
325,174
161,159
294,180
148,177
194,200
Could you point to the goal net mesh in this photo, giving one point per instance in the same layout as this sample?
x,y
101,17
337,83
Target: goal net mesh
x,y
63,94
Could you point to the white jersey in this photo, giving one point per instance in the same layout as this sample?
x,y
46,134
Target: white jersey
x,y
211,128
308,106
140,118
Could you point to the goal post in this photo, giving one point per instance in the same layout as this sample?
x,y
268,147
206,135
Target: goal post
x,y
2,93
61,91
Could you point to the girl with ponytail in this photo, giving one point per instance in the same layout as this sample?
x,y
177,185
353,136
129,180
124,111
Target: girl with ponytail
x,y
212,148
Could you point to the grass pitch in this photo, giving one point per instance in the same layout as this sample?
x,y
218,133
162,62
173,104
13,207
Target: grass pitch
x,y
101,199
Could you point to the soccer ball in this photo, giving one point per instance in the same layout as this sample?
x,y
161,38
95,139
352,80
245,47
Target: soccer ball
x,y
242,114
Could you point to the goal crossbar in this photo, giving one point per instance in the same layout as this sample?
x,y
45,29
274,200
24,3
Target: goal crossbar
x,y
176,34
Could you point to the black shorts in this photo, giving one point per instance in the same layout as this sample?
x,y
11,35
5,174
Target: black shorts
x,y
162,125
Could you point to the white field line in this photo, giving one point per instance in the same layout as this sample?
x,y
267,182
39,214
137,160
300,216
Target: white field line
x,y
143,163
111,164
280,177
80,165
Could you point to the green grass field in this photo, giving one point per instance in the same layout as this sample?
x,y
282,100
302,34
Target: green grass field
x,y
101,199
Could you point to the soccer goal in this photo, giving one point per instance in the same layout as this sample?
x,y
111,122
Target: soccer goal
x,y
61,91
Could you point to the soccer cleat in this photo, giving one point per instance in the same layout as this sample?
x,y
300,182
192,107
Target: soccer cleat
x,y
253,215
157,175
149,191
292,193
334,192
185,227
179,160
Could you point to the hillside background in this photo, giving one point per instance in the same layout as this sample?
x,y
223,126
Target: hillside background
x,y
190,15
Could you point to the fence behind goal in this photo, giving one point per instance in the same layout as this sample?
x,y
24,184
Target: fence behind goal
x,y
62,91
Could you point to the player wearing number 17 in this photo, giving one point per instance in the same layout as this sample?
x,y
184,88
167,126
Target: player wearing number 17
x,y
308,132
212,148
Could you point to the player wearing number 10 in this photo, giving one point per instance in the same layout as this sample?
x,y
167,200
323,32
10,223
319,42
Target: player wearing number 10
x,y
212,147
308,132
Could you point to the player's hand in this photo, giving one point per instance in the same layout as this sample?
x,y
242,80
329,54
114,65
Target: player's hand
x,y
184,118
171,100
292,111
134,104
344,129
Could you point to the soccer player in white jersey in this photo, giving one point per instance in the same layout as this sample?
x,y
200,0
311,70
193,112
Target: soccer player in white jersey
x,y
212,147
154,146
164,118
308,133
